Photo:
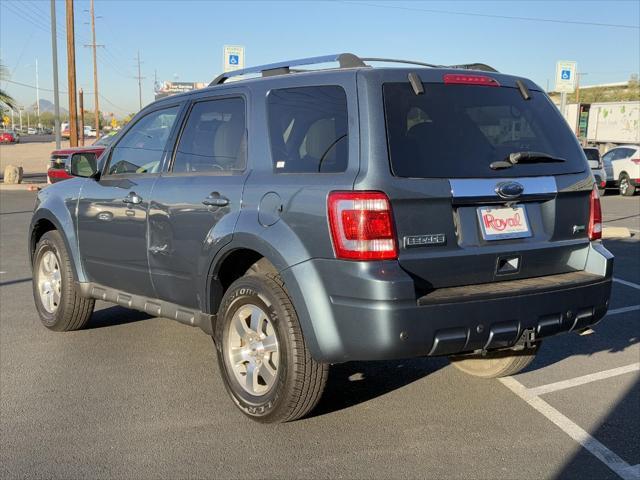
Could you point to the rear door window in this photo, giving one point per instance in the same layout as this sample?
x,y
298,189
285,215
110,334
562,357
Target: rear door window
x,y
213,139
308,129
454,131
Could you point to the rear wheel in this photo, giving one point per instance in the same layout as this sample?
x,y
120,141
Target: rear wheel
x,y
501,363
57,300
626,187
265,364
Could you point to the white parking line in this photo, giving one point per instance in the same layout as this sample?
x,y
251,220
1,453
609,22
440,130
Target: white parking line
x,y
615,311
574,382
593,446
627,283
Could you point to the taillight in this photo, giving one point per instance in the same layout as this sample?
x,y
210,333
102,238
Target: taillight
x,y
595,215
636,160
458,78
361,226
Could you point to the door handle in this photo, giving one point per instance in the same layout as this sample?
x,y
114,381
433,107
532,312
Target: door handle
x,y
215,200
132,198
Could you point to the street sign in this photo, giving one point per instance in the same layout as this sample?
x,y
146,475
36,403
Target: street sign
x,y
6,120
232,58
566,73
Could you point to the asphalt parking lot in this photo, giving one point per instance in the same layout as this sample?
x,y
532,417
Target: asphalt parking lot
x,y
138,397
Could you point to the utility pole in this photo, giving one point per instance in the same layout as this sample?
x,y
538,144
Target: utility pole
x,y
95,70
20,113
140,78
54,54
71,74
37,94
81,105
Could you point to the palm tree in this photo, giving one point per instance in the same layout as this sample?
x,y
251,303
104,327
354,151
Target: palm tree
x,y
5,99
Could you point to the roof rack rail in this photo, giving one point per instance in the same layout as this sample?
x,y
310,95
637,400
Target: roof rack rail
x,y
345,60
395,60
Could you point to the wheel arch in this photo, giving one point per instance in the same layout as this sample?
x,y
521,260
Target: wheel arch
x,y
232,262
43,221
246,249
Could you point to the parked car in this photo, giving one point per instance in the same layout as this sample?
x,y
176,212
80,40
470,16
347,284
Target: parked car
x,y
59,163
622,166
31,131
89,131
306,218
9,136
595,163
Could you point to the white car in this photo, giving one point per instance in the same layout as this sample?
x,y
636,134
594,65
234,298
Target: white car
x,y
595,163
31,131
89,131
622,165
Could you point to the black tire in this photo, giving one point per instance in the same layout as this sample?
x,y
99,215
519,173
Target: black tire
x,y
501,363
72,311
627,189
299,381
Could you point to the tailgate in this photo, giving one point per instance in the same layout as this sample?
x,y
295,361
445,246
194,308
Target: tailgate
x,y
442,243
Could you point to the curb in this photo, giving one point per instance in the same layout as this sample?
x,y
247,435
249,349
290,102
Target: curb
x,y
31,187
616,232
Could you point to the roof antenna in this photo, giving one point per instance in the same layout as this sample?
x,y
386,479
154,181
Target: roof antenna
x,y
416,83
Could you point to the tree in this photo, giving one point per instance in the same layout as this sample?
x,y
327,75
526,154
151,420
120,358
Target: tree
x,y
6,101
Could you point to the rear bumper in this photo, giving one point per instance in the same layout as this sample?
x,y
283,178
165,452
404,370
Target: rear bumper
x,y
370,311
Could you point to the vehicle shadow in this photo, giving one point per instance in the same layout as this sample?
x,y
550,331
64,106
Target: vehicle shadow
x,y
115,315
353,383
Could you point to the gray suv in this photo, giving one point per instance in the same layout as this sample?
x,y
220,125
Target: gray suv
x,y
304,218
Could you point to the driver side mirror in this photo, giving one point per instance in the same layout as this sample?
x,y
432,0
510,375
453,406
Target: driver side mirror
x,y
82,165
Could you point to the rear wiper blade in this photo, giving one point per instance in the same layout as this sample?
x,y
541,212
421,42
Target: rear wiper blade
x,y
533,157
525,157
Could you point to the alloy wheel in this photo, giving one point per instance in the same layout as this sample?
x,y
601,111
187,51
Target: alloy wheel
x,y
252,350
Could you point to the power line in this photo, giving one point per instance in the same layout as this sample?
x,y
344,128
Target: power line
x,y
488,15
30,86
113,104
126,110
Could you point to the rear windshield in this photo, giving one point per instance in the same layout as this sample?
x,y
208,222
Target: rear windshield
x,y
592,154
458,130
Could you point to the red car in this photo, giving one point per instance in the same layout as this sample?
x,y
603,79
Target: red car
x,y
60,158
9,136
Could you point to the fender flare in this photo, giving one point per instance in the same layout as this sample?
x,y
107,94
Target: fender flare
x,y
68,234
252,241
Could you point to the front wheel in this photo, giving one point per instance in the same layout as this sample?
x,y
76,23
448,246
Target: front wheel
x,y
265,364
500,363
626,187
58,302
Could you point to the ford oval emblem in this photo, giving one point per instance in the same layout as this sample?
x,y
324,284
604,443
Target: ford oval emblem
x,y
509,189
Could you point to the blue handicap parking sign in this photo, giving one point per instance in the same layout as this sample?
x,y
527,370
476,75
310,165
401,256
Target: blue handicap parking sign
x,y
234,59
565,74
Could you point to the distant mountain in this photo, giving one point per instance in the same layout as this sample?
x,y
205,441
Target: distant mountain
x,y
46,106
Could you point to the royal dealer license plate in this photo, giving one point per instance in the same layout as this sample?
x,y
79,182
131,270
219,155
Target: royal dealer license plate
x,y
503,222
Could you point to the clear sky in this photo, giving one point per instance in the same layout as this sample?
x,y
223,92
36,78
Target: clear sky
x,y
183,40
